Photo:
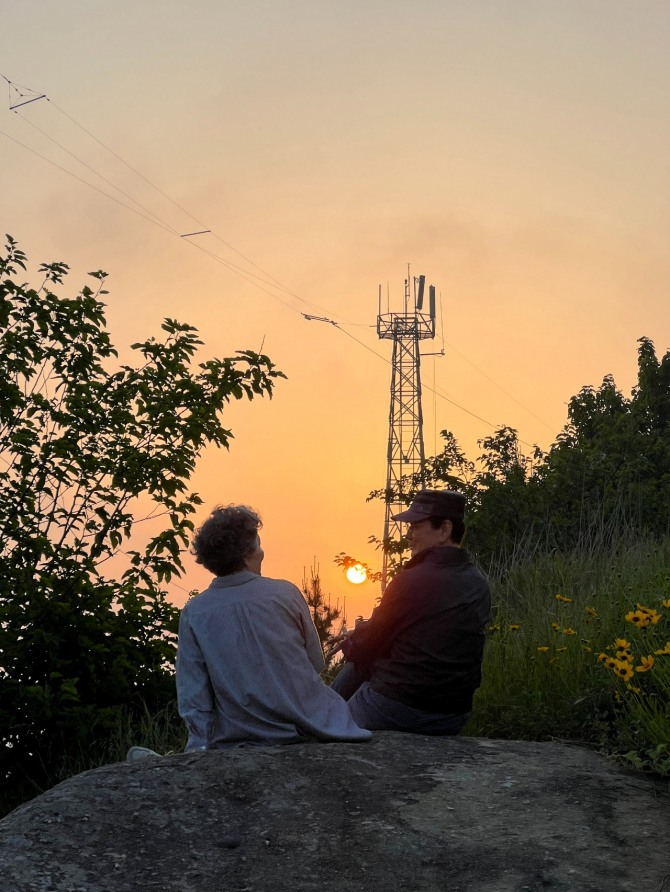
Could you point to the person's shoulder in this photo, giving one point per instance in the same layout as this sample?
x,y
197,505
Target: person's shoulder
x,y
196,597
268,585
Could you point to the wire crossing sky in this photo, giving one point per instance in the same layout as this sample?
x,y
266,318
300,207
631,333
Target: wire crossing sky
x,y
516,155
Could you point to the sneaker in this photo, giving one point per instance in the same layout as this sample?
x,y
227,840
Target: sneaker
x,y
139,752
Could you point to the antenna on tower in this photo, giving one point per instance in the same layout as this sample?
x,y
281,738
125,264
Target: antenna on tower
x,y
419,299
405,467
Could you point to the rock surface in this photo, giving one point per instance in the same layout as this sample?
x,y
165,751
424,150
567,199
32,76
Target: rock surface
x,y
402,812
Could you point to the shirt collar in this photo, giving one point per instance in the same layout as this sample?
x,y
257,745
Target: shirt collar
x,y
232,579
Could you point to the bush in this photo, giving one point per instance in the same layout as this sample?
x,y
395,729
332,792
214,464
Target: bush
x,y
84,448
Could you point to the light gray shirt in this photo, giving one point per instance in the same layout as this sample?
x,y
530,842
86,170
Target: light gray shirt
x,y
248,667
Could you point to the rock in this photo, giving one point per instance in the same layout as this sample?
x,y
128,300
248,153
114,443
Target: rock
x,y
402,812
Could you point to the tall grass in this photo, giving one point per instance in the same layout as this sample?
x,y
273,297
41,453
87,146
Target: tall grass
x,y
557,617
162,731
559,620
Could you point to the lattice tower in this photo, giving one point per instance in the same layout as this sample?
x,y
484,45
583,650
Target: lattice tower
x,y
405,453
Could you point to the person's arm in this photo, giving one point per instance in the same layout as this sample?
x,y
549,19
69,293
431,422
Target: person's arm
x,y
195,699
373,639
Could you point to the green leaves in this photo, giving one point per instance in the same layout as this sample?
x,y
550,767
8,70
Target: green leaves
x,y
607,471
87,452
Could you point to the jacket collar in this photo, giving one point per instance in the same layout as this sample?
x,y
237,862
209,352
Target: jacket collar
x,y
449,555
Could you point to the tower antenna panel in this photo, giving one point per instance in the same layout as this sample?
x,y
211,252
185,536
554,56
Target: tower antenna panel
x,y
419,297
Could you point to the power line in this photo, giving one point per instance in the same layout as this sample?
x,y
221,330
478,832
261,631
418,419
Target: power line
x,y
431,389
250,277
86,183
92,169
269,280
499,386
165,195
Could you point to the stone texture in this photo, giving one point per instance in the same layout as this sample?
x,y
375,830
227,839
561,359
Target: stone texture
x,y
402,812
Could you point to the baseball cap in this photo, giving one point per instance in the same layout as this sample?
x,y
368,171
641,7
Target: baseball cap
x,y
434,503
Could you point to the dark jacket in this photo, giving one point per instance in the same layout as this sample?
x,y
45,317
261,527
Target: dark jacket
x,y
423,644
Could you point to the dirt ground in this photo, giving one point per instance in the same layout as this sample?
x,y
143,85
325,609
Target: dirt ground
x,y
402,812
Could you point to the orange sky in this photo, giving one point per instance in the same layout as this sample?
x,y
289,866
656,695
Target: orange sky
x,y
515,154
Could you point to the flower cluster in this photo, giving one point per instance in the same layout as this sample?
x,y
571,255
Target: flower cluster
x,y
643,616
622,662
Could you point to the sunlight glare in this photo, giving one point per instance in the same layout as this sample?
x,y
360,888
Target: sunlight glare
x,y
357,574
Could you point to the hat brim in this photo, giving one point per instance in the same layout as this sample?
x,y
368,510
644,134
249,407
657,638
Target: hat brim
x,y
411,516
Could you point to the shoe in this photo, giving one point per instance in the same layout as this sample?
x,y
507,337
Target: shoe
x,y
139,752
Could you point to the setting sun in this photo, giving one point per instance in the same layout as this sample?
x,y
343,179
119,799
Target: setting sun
x,y
357,574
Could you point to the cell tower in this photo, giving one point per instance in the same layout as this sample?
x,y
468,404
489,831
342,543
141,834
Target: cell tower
x,y
405,454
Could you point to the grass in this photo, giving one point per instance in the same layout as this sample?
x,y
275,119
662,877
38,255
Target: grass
x,y
554,666
554,616
163,732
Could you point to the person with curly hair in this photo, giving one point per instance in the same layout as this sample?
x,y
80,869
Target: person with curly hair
x,y
249,656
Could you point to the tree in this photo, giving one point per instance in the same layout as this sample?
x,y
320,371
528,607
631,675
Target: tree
x,y
323,613
83,447
612,459
608,471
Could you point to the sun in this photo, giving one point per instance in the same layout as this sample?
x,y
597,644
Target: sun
x,y
356,574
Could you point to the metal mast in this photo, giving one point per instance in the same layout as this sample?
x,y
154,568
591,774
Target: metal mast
x,y
405,454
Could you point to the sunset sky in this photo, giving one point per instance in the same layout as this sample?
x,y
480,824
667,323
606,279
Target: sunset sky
x,y
516,153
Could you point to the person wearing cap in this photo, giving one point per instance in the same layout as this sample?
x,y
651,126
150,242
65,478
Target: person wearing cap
x,y
416,663
249,656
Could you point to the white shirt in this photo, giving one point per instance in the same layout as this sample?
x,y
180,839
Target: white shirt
x,y
248,667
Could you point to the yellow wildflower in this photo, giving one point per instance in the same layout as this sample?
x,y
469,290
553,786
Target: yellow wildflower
x,y
587,649
555,627
624,655
666,603
569,631
663,650
563,599
543,649
559,650
624,671
652,615
590,611
495,628
602,657
514,627
634,689
621,643
637,618
610,662
646,664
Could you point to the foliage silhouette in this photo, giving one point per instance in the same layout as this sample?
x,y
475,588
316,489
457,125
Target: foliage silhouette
x,y
85,449
607,470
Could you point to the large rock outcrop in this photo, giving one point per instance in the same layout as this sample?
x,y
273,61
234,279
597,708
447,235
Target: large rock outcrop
x,y
402,812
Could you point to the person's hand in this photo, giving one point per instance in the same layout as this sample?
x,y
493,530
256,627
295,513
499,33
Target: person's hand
x,y
334,644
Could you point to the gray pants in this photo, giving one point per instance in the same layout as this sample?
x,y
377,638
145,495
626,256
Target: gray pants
x,y
376,712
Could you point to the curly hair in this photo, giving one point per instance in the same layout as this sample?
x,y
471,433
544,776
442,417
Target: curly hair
x,y
226,539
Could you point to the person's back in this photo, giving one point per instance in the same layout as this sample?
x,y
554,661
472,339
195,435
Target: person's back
x,y
249,656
